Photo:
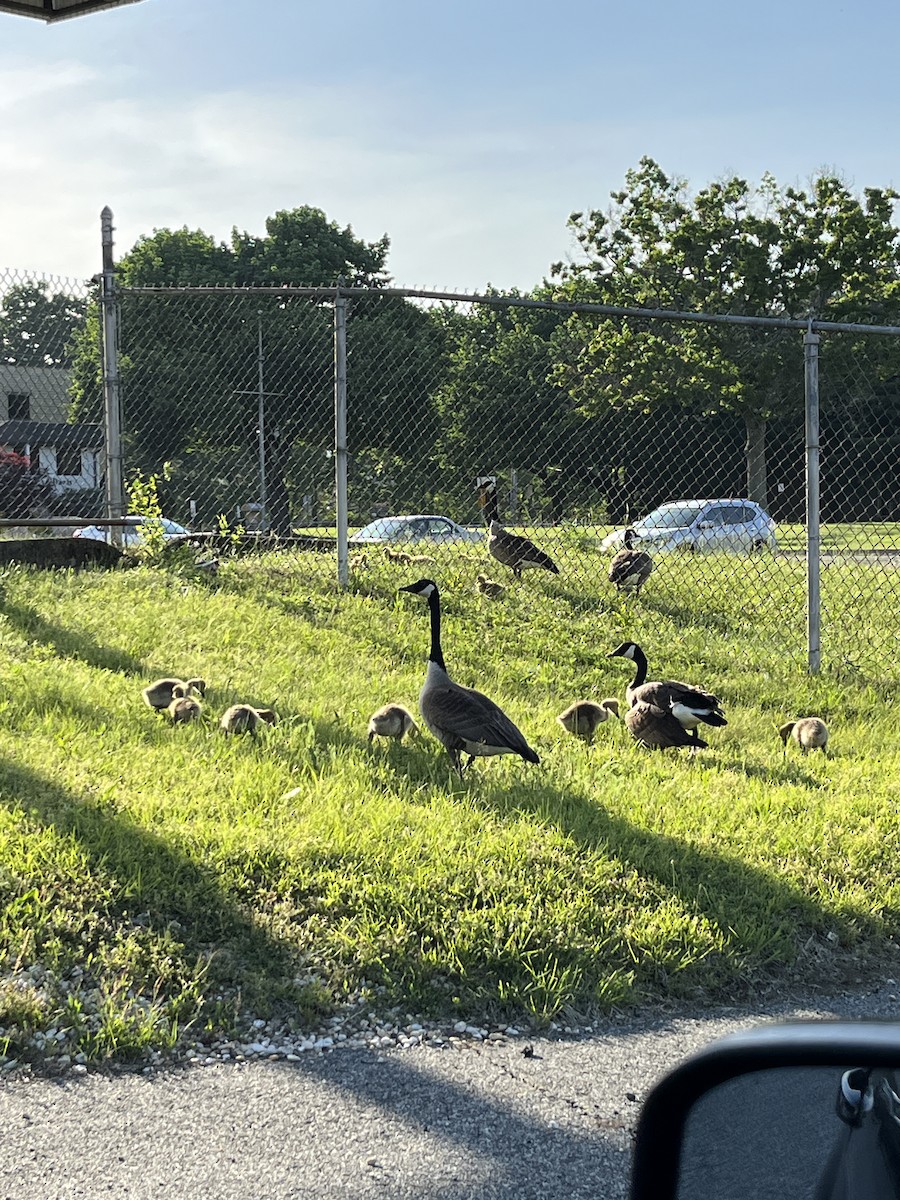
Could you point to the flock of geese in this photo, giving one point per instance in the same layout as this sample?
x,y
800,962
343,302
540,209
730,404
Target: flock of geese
x,y
659,714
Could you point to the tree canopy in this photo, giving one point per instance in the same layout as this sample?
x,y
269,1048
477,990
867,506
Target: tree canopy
x,y
38,324
191,368
728,248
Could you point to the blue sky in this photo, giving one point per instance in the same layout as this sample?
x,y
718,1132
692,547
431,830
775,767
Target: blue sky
x,y
467,131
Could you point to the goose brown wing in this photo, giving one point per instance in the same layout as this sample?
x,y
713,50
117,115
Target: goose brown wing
x,y
627,563
663,692
512,550
472,717
655,726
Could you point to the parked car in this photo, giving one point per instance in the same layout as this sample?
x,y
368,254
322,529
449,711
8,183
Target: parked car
x,y
701,525
418,528
131,533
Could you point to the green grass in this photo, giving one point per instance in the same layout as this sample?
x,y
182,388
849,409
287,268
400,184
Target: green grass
x,y
156,880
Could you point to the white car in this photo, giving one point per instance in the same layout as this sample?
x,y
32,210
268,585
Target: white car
x,y
131,533
701,525
420,528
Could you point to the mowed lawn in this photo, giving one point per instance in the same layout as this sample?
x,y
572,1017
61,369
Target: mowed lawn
x,y
188,881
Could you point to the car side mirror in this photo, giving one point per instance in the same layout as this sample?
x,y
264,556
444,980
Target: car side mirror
x,y
806,1109
706,524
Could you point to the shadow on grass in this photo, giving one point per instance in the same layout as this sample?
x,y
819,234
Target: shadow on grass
x,y
684,615
760,919
68,643
134,872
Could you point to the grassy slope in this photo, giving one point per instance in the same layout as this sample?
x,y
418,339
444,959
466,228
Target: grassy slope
x,y
166,864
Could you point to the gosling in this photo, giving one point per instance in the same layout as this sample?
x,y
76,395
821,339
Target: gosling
x,y
391,721
397,556
183,707
159,694
490,587
244,718
584,717
810,733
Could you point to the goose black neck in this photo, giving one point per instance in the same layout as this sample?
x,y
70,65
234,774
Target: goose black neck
x,y
640,667
435,655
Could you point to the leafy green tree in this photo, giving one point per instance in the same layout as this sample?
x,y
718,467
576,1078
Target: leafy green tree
x,y
190,364
729,248
37,326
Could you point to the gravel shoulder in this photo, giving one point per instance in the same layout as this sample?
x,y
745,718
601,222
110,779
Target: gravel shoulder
x,y
466,1118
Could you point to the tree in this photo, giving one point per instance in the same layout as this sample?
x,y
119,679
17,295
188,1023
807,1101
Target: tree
x,y
190,363
37,326
730,248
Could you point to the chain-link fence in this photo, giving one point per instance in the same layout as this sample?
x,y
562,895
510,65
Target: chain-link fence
x,y
51,457
414,419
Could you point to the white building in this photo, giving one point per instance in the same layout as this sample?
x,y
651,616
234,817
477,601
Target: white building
x,y
34,404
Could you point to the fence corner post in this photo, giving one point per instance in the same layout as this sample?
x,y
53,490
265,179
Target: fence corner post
x,y
340,434
112,396
813,532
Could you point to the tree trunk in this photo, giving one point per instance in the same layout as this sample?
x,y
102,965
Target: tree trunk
x,y
755,451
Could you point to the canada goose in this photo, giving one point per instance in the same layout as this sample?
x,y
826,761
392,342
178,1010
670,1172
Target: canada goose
x,y
489,587
158,694
183,707
391,721
244,718
358,562
689,705
460,718
659,728
517,552
810,733
397,556
584,716
630,568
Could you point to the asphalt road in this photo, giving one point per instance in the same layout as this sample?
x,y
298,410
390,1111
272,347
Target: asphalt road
x,y
476,1121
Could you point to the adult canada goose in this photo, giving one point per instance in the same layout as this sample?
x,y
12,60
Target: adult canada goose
x,y
460,718
689,705
630,568
659,728
810,733
392,721
244,718
183,707
158,694
489,587
517,552
584,716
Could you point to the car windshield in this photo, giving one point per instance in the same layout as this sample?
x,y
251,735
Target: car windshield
x,y
671,516
384,527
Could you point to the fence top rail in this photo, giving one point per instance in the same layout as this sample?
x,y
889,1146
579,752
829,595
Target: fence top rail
x,y
810,325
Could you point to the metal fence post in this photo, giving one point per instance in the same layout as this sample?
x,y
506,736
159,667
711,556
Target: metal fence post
x,y
112,396
813,536
340,433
